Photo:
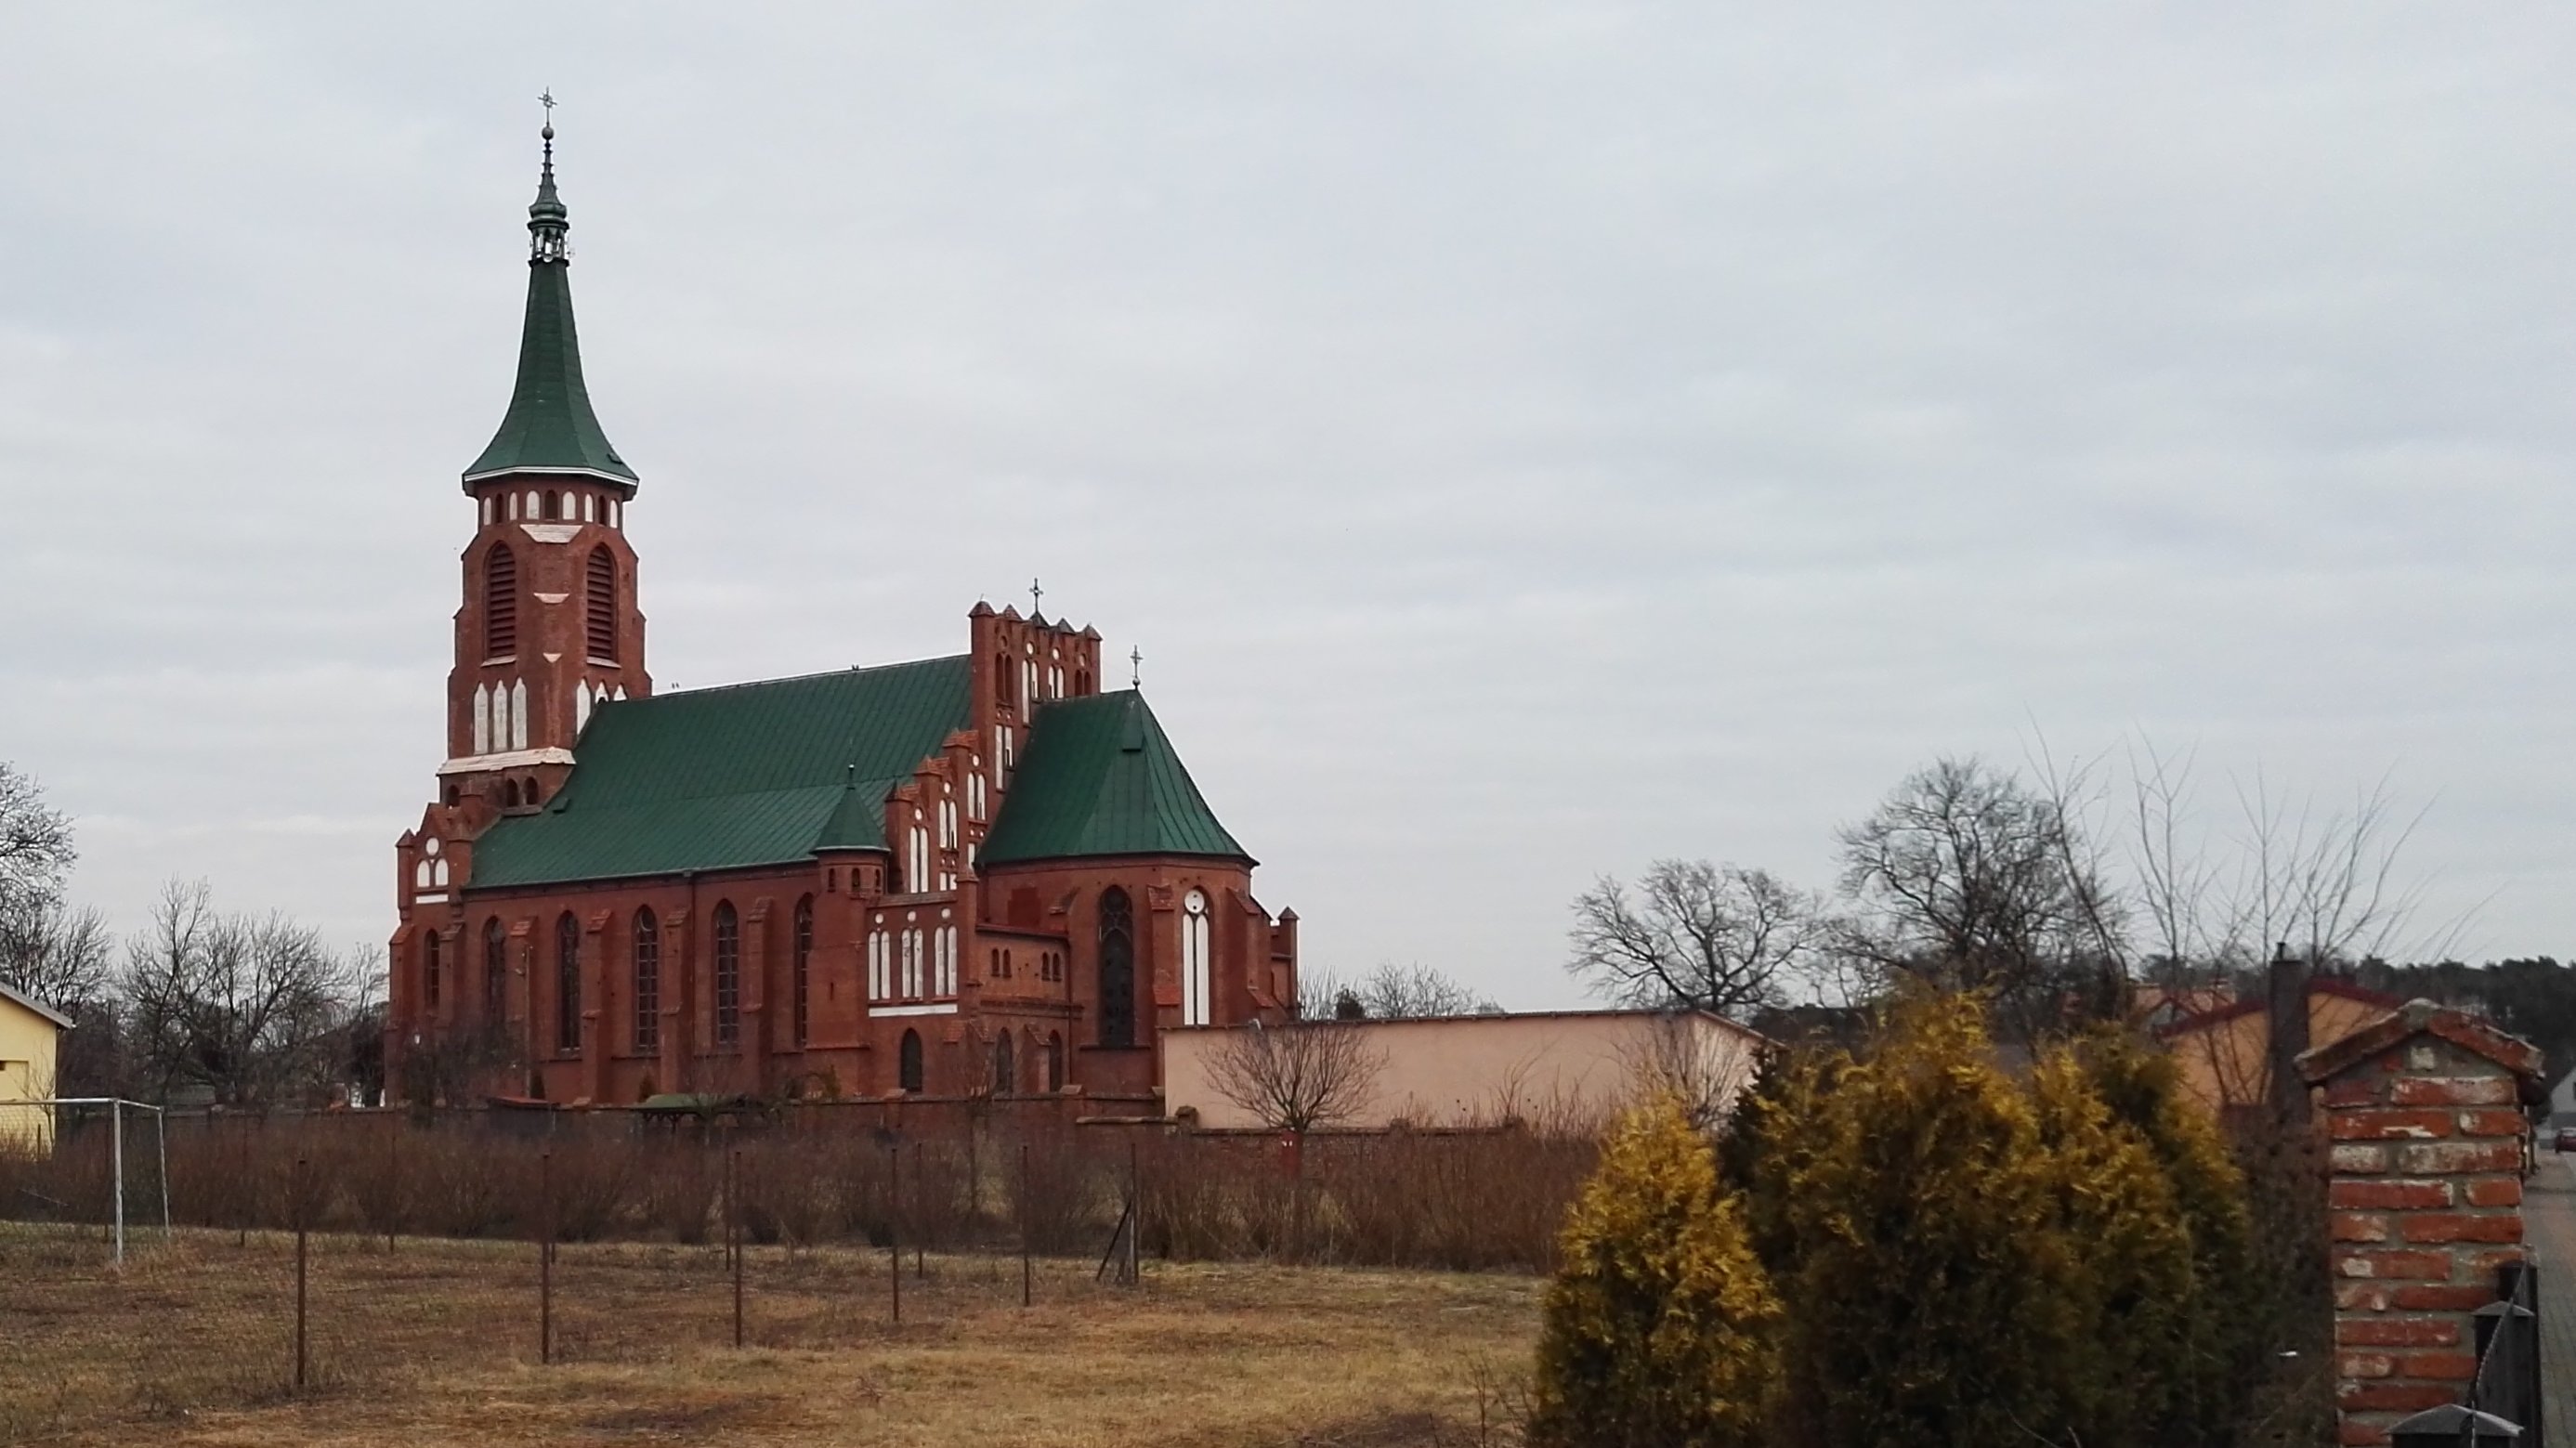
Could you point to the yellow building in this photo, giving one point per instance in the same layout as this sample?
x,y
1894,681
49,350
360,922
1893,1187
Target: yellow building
x,y
2225,1053
29,1036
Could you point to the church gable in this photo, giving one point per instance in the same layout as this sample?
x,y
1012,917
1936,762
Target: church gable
x,y
1100,779
730,778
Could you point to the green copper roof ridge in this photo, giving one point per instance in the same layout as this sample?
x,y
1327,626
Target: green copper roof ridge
x,y
1104,782
550,426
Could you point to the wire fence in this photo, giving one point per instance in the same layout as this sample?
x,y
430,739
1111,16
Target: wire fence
x,y
332,1251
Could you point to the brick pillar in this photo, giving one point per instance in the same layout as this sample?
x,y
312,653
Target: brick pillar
x,y
2424,1200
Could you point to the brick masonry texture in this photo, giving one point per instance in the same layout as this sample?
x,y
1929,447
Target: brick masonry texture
x,y
2425,1201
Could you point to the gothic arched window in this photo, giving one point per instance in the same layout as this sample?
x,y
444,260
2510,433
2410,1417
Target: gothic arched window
x,y
429,969
599,604
509,794
1117,969
1005,1074
567,983
1054,1061
803,961
500,603
496,971
728,974
908,1062
648,981
554,505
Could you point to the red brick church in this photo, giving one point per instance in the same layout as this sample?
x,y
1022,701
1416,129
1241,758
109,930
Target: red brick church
x,y
982,872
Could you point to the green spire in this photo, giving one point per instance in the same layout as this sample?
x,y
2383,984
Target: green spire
x,y
550,427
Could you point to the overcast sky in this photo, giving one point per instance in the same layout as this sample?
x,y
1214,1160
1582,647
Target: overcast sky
x,y
1524,441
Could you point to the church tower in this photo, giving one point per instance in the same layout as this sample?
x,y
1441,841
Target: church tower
x,y
549,627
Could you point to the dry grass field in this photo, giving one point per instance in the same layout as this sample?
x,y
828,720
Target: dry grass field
x,y
435,1342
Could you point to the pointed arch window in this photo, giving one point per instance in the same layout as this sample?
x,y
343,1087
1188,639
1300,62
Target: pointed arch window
x,y
429,969
1005,1069
802,963
728,930
567,983
599,604
908,1062
1117,969
648,981
500,602
1054,1061
496,971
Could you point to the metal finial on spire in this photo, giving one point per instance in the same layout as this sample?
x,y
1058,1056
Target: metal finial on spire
x,y
547,219
1136,668
1035,594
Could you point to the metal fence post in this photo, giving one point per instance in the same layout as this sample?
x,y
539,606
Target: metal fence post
x,y
300,1230
733,1231
894,1229
116,1144
545,1257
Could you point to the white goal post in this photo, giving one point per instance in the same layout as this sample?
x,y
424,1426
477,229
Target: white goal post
x,y
115,1107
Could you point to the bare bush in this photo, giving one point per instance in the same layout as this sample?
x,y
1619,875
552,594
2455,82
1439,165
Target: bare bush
x,y
1297,1075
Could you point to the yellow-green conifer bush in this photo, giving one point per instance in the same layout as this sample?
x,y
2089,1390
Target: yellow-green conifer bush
x,y
1658,1326
1927,1292
2126,1277
2220,1358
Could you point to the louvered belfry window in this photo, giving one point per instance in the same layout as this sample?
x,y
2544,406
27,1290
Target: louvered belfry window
x,y
500,603
601,610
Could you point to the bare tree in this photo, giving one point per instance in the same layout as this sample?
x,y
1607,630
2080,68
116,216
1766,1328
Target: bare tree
x,y
1298,1075
1417,992
256,1010
62,955
1709,937
1969,879
35,841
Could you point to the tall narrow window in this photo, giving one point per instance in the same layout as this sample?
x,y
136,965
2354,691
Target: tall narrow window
x,y
496,971
1117,969
728,975
1054,1061
500,602
1002,676
599,604
567,983
1005,1074
802,962
1194,959
908,1063
648,981
429,969
554,505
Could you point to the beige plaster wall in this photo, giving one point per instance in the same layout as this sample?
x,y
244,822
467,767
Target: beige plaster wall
x,y
1559,1068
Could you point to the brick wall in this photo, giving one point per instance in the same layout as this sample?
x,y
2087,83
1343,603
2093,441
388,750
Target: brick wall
x,y
2424,1197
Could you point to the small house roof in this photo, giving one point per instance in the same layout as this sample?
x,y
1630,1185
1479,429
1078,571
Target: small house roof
x,y
15,996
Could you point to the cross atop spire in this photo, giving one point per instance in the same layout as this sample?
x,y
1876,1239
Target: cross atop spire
x,y
1036,594
1136,668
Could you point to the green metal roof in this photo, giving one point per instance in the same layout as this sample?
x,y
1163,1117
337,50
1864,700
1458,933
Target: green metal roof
x,y
550,426
714,779
1100,778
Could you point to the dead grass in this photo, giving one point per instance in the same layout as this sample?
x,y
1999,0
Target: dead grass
x,y
436,1343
